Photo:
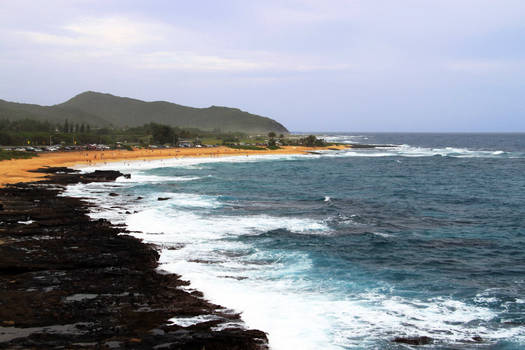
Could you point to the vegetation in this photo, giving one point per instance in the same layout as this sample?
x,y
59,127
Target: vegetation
x,y
105,110
33,133
6,155
163,134
313,141
28,132
271,142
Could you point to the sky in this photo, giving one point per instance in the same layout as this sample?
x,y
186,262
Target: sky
x,y
324,65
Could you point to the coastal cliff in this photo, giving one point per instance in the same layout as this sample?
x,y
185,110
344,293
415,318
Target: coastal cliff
x,y
68,281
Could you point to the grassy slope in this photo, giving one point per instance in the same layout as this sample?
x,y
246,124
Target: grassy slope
x,y
54,114
99,109
123,111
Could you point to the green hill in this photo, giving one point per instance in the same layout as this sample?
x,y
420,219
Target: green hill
x,y
54,114
100,109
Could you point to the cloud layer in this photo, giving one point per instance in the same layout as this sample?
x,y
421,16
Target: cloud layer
x,y
333,65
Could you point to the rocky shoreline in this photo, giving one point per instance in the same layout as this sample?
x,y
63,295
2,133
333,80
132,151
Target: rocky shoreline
x,y
70,282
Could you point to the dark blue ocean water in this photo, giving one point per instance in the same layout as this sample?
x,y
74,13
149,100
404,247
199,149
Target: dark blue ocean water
x,y
350,250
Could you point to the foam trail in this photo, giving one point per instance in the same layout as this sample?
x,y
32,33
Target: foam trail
x,y
185,225
411,151
140,178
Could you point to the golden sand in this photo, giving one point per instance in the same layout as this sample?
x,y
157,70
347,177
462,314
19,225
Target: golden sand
x,y
18,170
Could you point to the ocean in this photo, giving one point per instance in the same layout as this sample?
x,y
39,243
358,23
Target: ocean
x,y
345,249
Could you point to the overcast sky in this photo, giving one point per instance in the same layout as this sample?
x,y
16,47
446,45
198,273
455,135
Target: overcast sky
x,y
341,65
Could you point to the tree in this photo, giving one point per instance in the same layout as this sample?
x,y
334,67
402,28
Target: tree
x,y
229,140
271,134
310,141
82,128
66,126
162,134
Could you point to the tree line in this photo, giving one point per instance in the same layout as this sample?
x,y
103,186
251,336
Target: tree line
x,y
39,133
34,132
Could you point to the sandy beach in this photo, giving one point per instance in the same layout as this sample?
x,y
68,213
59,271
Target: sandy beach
x,y
19,170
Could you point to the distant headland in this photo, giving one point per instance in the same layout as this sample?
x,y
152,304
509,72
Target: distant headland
x,y
102,110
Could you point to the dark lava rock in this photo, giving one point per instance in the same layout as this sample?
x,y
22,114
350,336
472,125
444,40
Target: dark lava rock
x,y
413,340
55,170
68,281
163,198
113,194
65,178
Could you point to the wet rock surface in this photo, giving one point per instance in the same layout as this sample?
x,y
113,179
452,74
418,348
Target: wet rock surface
x,y
413,340
67,281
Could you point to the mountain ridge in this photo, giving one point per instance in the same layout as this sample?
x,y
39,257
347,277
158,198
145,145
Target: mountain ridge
x,y
104,109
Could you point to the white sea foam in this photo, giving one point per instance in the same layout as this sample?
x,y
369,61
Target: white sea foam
x,y
294,312
411,151
28,222
190,321
297,317
270,305
185,200
382,234
225,325
408,150
185,225
344,138
141,178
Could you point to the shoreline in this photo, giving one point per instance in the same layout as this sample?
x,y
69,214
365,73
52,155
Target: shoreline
x,y
67,280
23,170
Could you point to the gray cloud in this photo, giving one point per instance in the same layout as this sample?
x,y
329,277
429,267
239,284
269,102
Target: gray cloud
x,y
331,65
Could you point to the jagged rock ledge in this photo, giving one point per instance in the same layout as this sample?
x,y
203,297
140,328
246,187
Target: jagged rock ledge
x,y
68,281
